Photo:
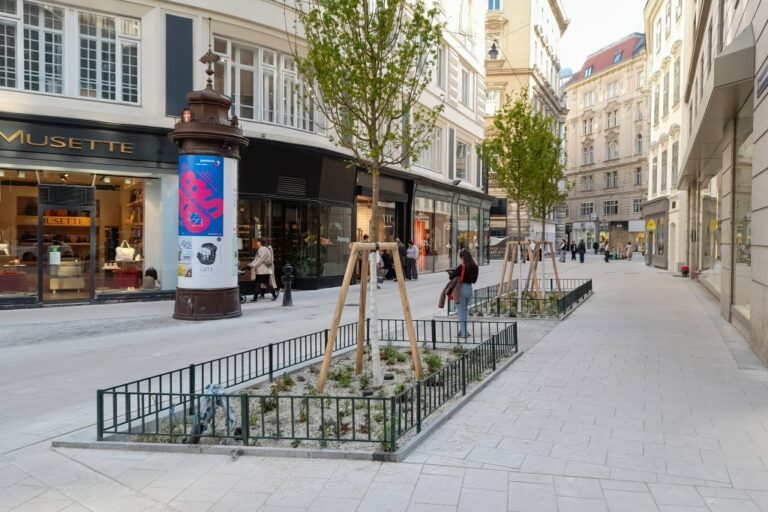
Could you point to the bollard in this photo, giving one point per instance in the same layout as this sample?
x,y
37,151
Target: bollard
x,y
287,281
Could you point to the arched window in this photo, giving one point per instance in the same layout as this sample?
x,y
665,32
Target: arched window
x,y
639,143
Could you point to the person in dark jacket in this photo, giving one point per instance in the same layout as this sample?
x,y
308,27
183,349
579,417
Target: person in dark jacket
x,y
574,250
470,272
596,246
388,264
401,251
582,251
607,252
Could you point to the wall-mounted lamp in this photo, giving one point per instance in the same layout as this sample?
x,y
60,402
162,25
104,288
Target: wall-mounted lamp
x,y
186,115
493,53
22,174
2,173
107,179
128,181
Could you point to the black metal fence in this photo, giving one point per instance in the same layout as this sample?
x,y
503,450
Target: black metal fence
x,y
527,303
168,407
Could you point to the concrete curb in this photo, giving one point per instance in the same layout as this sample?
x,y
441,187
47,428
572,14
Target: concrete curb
x,y
85,439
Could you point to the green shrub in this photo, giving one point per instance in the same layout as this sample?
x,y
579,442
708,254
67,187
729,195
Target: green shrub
x,y
433,363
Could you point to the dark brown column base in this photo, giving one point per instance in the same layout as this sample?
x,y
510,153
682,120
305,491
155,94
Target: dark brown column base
x,y
207,304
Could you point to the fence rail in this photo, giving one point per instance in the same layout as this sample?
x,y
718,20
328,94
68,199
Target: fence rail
x,y
168,406
526,303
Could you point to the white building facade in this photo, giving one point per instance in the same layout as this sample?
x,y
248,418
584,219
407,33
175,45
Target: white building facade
x,y
89,91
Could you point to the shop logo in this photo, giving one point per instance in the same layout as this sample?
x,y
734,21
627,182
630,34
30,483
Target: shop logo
x,y
58,142
207,254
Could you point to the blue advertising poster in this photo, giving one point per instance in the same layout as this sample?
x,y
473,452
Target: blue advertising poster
x,y
201,195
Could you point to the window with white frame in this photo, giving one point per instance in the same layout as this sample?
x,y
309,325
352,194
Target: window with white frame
x,y
589,98
639,111
440,66
612,179
614,89
640,79
462,160
465,88
639,143
654,177
587,155
665,92
492,101
264,85
611,207
587,183
586,209
638,176
656,99
668,19
675,163
676,83
613,118
35,41
494,5
613,150
587,124
588,72
678,9
430,156
637,205
657,40
664,171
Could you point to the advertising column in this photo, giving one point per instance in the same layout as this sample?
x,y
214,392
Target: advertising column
x,y
209,143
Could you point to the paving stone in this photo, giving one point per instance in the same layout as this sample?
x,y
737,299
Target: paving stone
x,y
438,490
623,501
668,494
486,479
568,504
578,487
526,497
482,499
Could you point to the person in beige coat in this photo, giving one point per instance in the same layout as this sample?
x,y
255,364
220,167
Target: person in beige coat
x,y
261,268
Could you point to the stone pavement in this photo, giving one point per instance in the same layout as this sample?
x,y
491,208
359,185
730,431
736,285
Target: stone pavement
x,y
642,400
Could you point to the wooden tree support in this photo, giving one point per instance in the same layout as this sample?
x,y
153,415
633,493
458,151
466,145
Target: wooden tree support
x,y
364,249
540,246
511,253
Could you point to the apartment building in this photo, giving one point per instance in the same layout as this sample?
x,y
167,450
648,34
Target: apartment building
x,y
724,164
664,213
90,90
522,43
606,145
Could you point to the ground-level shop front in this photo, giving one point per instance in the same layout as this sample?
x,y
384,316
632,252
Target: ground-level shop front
x,y
656,215
82,216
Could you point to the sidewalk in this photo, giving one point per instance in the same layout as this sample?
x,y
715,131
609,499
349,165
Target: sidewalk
x,y
642,399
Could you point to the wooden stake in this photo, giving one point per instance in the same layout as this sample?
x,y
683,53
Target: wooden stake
x,y
554,266
503,271
361,313
337,320
408,320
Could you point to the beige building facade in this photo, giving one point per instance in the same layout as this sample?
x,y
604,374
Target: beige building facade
x,y
725,162
607,131
665,211
523,39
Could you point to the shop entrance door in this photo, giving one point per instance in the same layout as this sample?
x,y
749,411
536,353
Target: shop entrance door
x,y
66,243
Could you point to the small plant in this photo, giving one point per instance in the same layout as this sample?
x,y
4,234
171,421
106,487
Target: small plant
x,y
365,380
399,388
343,377
392,355
458,350
283,384
364,428
295,443
433,363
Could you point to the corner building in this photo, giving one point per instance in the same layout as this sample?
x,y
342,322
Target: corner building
x,y
89,180
607,136
725,162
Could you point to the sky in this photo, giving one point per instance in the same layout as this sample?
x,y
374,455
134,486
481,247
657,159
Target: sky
x,y
595,24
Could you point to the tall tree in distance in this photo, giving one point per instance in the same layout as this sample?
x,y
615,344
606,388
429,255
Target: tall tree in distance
x,y
367,62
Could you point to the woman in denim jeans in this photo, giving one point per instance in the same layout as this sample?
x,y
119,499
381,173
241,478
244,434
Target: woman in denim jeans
x,y
467,271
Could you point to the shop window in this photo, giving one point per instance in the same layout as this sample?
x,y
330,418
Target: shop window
x,y
742,214
710,230
106,48
335,236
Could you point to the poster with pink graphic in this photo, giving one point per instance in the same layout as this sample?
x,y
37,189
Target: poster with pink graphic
x,y
201,195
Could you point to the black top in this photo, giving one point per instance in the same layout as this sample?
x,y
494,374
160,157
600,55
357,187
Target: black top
x,y
401,250
470,275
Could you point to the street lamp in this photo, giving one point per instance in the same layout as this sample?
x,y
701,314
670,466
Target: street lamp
x,y
493,53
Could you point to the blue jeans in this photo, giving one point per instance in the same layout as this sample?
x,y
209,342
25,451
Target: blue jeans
x,y
461,307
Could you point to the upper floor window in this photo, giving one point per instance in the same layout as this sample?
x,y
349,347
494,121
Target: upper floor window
x,y
587,183
440,67
663,171
656,104
462,160
676,83
587,126
638,176
654,177
588,72
611,207
586,209
639,112
614,89
612,179
637,204
494,5
613,118
430,156
640,79
36,39
590,98
492,101
587,155
465,88
613,150
668,19
639,143
657,33
678,9
665,92
617,57
675,163
264,85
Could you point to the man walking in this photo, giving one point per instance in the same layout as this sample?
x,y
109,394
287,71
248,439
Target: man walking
x,y
582,251
595,247
563,250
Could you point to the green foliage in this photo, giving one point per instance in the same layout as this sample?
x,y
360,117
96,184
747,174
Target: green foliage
x,y
365,380
392,355
433,363
369,62
283,384
343,376
458,350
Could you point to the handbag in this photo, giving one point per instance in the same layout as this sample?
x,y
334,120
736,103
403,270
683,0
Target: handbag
x,y
124,252
454,289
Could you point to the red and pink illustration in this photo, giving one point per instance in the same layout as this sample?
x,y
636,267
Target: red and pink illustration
x,y
201,195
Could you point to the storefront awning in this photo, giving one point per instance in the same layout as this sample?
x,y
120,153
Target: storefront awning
x,y
728,87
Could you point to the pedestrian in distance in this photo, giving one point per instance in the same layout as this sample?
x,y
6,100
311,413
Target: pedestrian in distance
x,y
388,264
607,253
574,250
595,247
261,267
467,273
411,258
629,251
563,250
401,251
582,251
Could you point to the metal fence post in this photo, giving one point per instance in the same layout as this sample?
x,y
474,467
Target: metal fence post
x,y
514,332
498,306
463,375
434,335
271,364
393,441
418,406
367,331
245,424
100,414
493,351
192,384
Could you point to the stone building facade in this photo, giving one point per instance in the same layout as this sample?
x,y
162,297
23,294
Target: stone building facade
x,y
606,145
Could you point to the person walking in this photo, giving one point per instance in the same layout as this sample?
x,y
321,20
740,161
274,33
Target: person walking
x,y
401,251
261,266
595,247
467,273
411,258
582,251
563,250
574,249
607,253
629,251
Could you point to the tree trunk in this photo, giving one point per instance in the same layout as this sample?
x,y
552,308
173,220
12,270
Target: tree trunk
x,y
374,224
543,259
378,378
520,256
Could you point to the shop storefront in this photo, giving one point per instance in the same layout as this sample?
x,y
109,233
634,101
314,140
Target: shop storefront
x,y
82,216
656,214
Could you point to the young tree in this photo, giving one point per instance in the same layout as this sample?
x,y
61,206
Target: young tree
x,y
367,62
544,173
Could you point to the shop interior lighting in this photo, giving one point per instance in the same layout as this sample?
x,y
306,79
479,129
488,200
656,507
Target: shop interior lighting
x,y
22,174
2,173
107,179
128,181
